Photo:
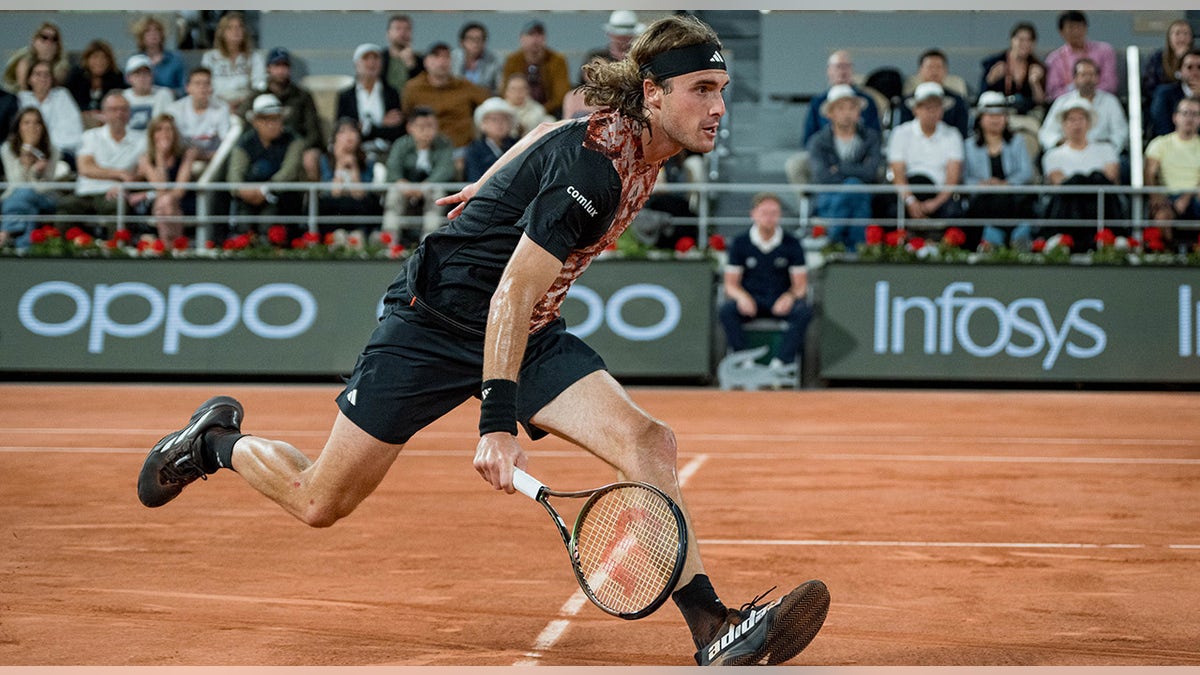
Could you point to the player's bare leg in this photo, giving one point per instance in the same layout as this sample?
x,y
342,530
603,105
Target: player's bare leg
x,y
318,492
599,415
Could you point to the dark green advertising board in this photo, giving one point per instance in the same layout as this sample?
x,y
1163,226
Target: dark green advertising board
x,y
302,318
1010,323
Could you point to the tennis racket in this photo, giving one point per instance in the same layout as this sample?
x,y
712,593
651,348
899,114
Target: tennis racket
x,y
627,546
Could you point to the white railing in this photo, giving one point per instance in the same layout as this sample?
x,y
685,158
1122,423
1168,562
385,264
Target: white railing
x,y
705,220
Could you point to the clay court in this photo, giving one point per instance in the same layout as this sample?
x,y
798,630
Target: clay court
x,y
952,528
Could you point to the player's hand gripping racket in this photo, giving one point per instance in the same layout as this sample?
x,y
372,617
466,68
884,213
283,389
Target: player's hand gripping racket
x,y
628,544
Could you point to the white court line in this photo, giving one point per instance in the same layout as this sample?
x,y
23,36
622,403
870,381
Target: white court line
x,y
555,629
935,544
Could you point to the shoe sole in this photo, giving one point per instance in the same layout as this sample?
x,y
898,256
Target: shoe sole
x,y
151,492
798,620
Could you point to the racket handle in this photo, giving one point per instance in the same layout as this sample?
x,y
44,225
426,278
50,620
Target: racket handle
x,y
526,484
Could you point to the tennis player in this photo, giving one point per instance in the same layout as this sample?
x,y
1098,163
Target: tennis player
x,y
475,312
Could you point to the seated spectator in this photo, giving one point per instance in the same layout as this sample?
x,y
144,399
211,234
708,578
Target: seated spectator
x,y
495,119
8,110
839,69
622,27
45,45
545,69
399,62
422,156
927,151
108,157
266,154
343,166
1167,96
847,152
237,68
472,60
373,102
202,122
574,103
1111,126
994,155
146,100
1165,63
29,160
765,277
58,108
1060,63
452,98
1080,161
1017,73
1173,161
932,67
302,118
530,113
664,207
166,65
167,160
94,77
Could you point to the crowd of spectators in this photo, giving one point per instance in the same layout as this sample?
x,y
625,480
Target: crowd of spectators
x,y
1059,121
444,113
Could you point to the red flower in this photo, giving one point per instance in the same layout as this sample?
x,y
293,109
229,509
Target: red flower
x,y
395,250
1152,233
123,236
1038,245
685,244
210,244
1105,237
277,235
82,239
353,242
818,231
329,239
181,243
894,238
385,237
111,243
954,236
158,246
299,243
142,245
73,232
916,243
716,242
37,236
50,232
311,238
874,235
237,243
1066,241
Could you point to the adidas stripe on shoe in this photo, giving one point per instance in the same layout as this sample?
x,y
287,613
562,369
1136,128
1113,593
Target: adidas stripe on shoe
x,y
177,460
772,633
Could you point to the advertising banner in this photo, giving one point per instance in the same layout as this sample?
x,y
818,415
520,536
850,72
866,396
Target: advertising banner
x,y
306,318
1010,323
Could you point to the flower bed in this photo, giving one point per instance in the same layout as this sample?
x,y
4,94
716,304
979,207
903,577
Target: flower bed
x,y
901,246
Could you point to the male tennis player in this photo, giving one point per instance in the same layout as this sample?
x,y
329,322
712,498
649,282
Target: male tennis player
x,y
475,311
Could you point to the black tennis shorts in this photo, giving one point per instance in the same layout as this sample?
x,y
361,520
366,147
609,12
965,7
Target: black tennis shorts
x,y
416,368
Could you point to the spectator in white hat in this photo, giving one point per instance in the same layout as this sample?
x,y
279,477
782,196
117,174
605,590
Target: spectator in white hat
x,y
994,155
146,100
622,27
269,153
927,151
1078,160
495,119
846,152
372,101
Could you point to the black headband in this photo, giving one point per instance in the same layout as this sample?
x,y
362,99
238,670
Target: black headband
x,y
685,60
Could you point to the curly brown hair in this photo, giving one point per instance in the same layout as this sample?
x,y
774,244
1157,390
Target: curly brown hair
x,y
618,85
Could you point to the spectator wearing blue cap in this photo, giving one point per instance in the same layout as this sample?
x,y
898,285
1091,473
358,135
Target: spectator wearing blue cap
x,y
545,69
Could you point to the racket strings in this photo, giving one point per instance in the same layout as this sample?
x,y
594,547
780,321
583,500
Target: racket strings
x,y
628,548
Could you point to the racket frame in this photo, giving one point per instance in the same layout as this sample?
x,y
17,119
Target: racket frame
x,y
540,493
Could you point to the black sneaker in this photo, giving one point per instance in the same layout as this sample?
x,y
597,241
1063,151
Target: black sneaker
x,y
176,459
772,633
